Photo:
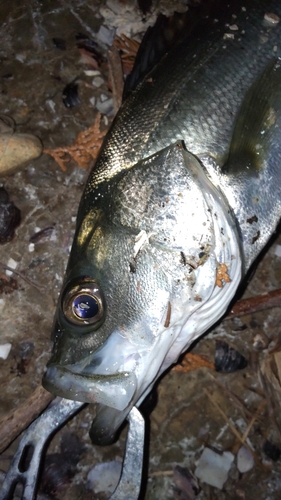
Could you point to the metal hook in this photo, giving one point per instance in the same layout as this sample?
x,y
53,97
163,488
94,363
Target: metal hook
x,y
41,429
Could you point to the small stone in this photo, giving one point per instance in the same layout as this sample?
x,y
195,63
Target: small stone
x,y
13,264
245,460
278,251
105,107
16,150
104,477
213,468
260,341
98,81
92,72
51,105
103,97
228,36
5,350
271,18
106,35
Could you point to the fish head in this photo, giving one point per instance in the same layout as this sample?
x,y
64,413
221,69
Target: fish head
x,y
141,283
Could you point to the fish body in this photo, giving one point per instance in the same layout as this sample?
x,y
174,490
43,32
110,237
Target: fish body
x,y
184,195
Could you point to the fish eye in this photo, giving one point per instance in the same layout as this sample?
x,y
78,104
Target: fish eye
x,y
83,303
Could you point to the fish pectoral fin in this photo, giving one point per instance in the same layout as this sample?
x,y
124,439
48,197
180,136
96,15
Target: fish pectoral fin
x,y
251,175
257,125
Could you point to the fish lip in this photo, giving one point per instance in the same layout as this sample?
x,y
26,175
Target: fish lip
x,y
115,390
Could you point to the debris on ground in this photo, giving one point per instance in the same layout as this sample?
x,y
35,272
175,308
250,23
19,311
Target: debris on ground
x,y
84,150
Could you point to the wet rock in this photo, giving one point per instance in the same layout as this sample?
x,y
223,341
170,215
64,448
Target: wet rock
x,y
10,217
227,359
16,150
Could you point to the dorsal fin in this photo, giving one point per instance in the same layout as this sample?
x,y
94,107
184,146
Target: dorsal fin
x,y
158,40
170,31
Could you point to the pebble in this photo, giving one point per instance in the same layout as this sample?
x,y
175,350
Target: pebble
x,y
106,35
92,72
277,251
245,460
16,150
271,18
13,264
103,97
5,350
212,468
105,107
98,81
104,477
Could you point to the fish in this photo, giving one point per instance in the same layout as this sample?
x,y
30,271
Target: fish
x,y
184,195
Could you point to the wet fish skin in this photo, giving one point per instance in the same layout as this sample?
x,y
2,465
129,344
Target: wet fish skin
x,y
159,217
196,99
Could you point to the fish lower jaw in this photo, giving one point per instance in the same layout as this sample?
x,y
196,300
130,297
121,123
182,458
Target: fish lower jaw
x,y
115,391
108,376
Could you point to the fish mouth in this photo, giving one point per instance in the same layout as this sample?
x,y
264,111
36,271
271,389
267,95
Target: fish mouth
x,y
116,390
108,376
113,377
114,393
115,383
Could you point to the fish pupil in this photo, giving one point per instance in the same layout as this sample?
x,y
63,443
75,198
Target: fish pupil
x,y
85,306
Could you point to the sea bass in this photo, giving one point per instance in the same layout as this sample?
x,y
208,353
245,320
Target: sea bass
x,y
184,195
